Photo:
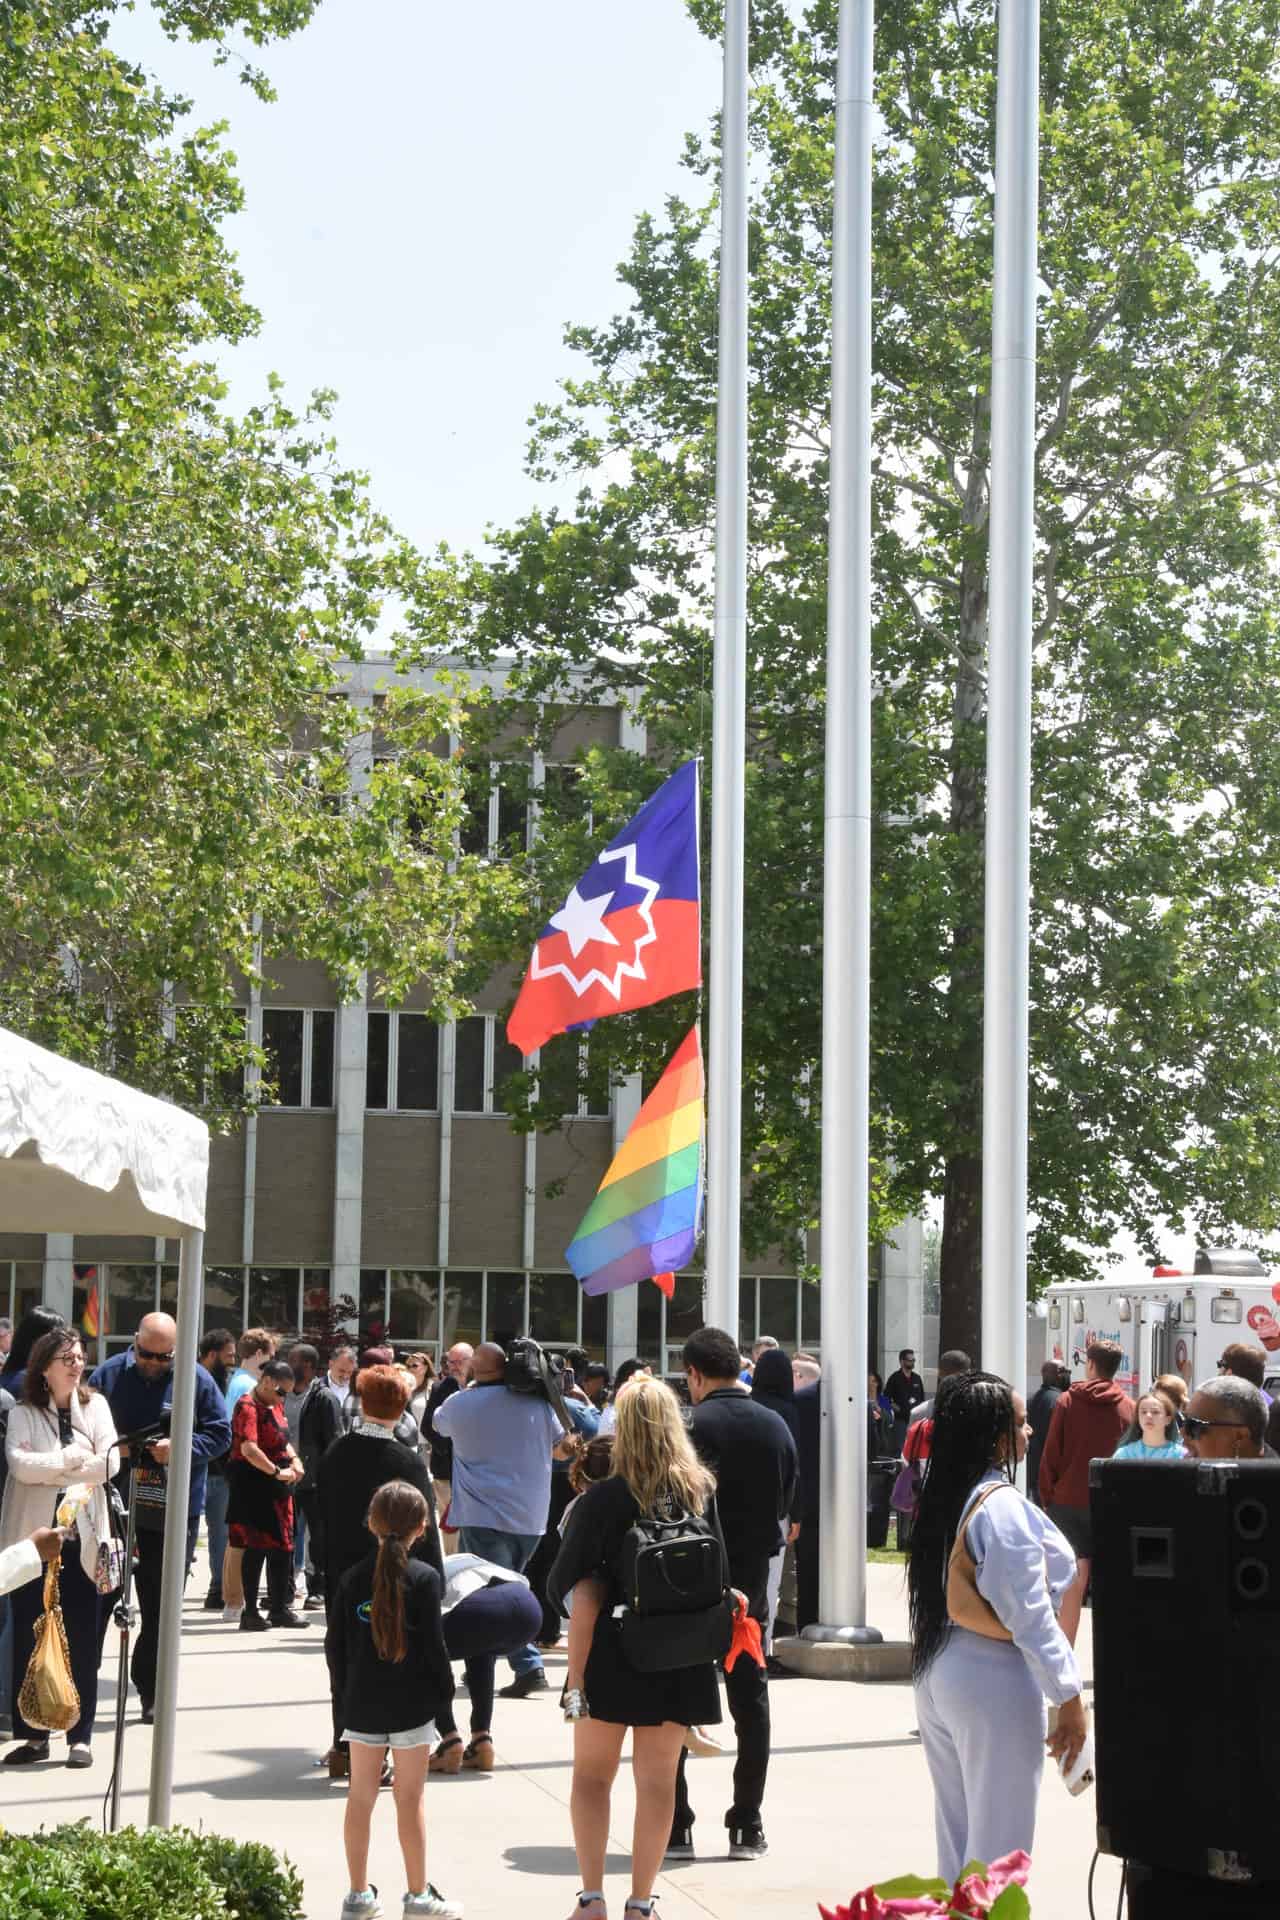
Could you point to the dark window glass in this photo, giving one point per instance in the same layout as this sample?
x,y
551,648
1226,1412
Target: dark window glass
x,y
474,835
512,812
373,1306
811,1316
468,1067
558,1074
282,1043
415,1307
28,1288
746,1312
504,1306
599,1092
224,1299
564,795
322,1025
375,1072
506,1061
649,1325
169,1290
553,1308
131,1292
317,1325
273,1299
685,1312
231,1080
778,1312
418,1064
595,1324
461,1310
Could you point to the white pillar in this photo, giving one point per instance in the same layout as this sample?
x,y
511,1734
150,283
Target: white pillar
x,y
729,697
351,1058
846,972
174,1570
1008,834
59,1272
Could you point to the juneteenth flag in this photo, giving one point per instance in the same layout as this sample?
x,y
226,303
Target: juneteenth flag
x,y
643,1223
629,933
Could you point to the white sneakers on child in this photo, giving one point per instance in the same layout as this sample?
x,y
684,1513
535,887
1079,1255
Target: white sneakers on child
x,y
431,1905
364,1905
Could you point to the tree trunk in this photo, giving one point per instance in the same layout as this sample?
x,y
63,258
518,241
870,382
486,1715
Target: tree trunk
x,y
960,1273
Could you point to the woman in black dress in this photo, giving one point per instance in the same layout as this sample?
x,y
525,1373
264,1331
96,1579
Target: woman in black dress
x,y
657,1472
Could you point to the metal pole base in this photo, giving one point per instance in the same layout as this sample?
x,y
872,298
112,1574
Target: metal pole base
x,y
845,1636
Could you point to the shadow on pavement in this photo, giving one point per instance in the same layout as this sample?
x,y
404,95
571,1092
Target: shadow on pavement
x,y
558,1860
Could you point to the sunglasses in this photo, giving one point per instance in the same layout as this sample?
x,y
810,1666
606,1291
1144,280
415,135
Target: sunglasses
x,y
160,1359
1194,1426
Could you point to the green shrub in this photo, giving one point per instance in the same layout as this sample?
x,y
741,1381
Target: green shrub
x,y
74,1873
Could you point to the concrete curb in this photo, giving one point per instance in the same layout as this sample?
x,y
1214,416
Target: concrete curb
x,y
833,1660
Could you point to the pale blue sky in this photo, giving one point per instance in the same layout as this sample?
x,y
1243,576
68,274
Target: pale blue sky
x,y
437,190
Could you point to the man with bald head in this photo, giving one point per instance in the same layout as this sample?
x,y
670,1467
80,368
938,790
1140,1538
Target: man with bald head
x,y
1226,1420
501,1491
138,1387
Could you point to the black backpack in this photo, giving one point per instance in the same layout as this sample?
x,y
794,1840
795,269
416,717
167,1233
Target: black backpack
x,y
672,1565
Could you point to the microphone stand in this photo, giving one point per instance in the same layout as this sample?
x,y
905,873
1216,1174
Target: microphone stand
x,y
124,1616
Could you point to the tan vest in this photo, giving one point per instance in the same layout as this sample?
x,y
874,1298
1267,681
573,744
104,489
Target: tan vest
x,y
965,1605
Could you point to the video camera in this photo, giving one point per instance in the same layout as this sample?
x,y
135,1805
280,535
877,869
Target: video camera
x,y
530,1369
145,1436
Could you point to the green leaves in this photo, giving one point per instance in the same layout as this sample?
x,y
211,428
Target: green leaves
x,y
1156,837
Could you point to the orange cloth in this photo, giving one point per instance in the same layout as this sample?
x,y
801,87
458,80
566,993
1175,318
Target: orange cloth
x,y
746,1638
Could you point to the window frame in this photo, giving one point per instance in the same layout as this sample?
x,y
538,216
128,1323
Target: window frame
x,y
308,1105
392,1017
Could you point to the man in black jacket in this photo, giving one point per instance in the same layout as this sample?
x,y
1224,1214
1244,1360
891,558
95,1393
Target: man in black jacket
x,y
314,1425
754,1459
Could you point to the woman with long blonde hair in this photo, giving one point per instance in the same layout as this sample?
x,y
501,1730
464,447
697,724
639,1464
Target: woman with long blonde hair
x,y
656,1475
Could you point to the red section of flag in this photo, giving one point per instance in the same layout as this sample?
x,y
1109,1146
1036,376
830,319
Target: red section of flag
x,y
552,1001
667,1283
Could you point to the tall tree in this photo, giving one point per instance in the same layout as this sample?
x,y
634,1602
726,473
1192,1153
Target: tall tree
x,y
1156,834
178,589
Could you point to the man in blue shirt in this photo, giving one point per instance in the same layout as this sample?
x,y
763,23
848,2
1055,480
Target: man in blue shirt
x,y
138,1387
502,1446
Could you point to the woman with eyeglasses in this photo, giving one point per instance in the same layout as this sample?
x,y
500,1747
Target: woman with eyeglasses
x,y
264,1471
986,1578
1154,1432
60,1436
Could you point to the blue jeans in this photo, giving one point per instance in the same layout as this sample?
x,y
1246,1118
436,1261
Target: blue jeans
x,y
513,1550
217,1493
299,1539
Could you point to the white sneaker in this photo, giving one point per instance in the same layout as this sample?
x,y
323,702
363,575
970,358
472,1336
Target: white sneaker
x,y
431,1905
232,1614
362,1906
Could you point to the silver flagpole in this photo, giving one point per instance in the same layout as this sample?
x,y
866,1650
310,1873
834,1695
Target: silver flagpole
x,y
1008,836
729,718
846,967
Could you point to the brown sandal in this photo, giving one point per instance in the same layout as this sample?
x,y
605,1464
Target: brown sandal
x,y
447,1757
479,1757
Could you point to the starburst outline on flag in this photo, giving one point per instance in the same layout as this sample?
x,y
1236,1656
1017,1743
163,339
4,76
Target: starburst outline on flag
x,y
626,969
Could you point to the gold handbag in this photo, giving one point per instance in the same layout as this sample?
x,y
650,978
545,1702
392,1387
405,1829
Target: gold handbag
x,y
966,1607
48,1698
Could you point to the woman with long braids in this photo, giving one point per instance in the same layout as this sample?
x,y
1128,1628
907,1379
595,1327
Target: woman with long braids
x,y
986,1578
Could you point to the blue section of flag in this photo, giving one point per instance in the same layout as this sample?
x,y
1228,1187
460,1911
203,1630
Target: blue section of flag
x,y
664,835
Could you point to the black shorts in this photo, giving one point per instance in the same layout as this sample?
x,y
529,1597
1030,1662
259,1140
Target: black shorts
x,y
1076,1524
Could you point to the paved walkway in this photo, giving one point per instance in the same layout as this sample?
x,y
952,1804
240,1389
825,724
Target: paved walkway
x,y
848,1797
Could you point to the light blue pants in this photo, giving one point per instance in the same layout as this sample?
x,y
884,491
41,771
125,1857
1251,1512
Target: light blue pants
x,y
513,1550
982,1725
217,1492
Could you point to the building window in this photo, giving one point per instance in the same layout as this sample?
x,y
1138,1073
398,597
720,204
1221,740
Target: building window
x,y
497,818
811,1316
570,1081
505,1315
373,1306
223,1299
414,1308
403,1055
553,1308
463,1309
274,1299
298,1045
483,1062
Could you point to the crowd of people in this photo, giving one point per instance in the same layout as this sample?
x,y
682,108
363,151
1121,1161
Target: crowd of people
x,y
466,1517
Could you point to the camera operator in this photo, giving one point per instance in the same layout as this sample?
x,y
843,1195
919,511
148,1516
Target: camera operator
x,y
138,1387
502,1446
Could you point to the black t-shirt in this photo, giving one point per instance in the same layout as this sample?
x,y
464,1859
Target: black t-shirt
x,y
753,1456
66,1432
388,1696
593,1537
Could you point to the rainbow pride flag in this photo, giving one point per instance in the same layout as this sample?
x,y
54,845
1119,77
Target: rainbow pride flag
x,y
644,1220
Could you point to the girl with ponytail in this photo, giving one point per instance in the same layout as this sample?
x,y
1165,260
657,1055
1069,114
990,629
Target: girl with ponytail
x,y
986,1578
391,1672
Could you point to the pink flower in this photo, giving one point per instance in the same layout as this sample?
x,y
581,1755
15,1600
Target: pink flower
x,y
977,1893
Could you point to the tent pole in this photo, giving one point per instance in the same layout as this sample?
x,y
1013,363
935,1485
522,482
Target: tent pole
x,y
174,1576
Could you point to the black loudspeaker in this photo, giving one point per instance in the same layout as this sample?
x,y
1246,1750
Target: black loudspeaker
x,y
1156,1894
1186,1634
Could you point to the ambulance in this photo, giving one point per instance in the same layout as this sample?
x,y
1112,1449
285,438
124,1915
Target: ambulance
x,y
1173,1322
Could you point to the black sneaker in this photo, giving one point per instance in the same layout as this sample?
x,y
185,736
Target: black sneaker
x,y
288,1620
213,1603
252,1622
680,1845
524,1684
747,1843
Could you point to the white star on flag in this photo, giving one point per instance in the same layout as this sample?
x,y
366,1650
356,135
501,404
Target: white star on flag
x,y
582,922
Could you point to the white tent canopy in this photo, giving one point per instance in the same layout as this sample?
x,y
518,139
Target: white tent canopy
x,y
82,1153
